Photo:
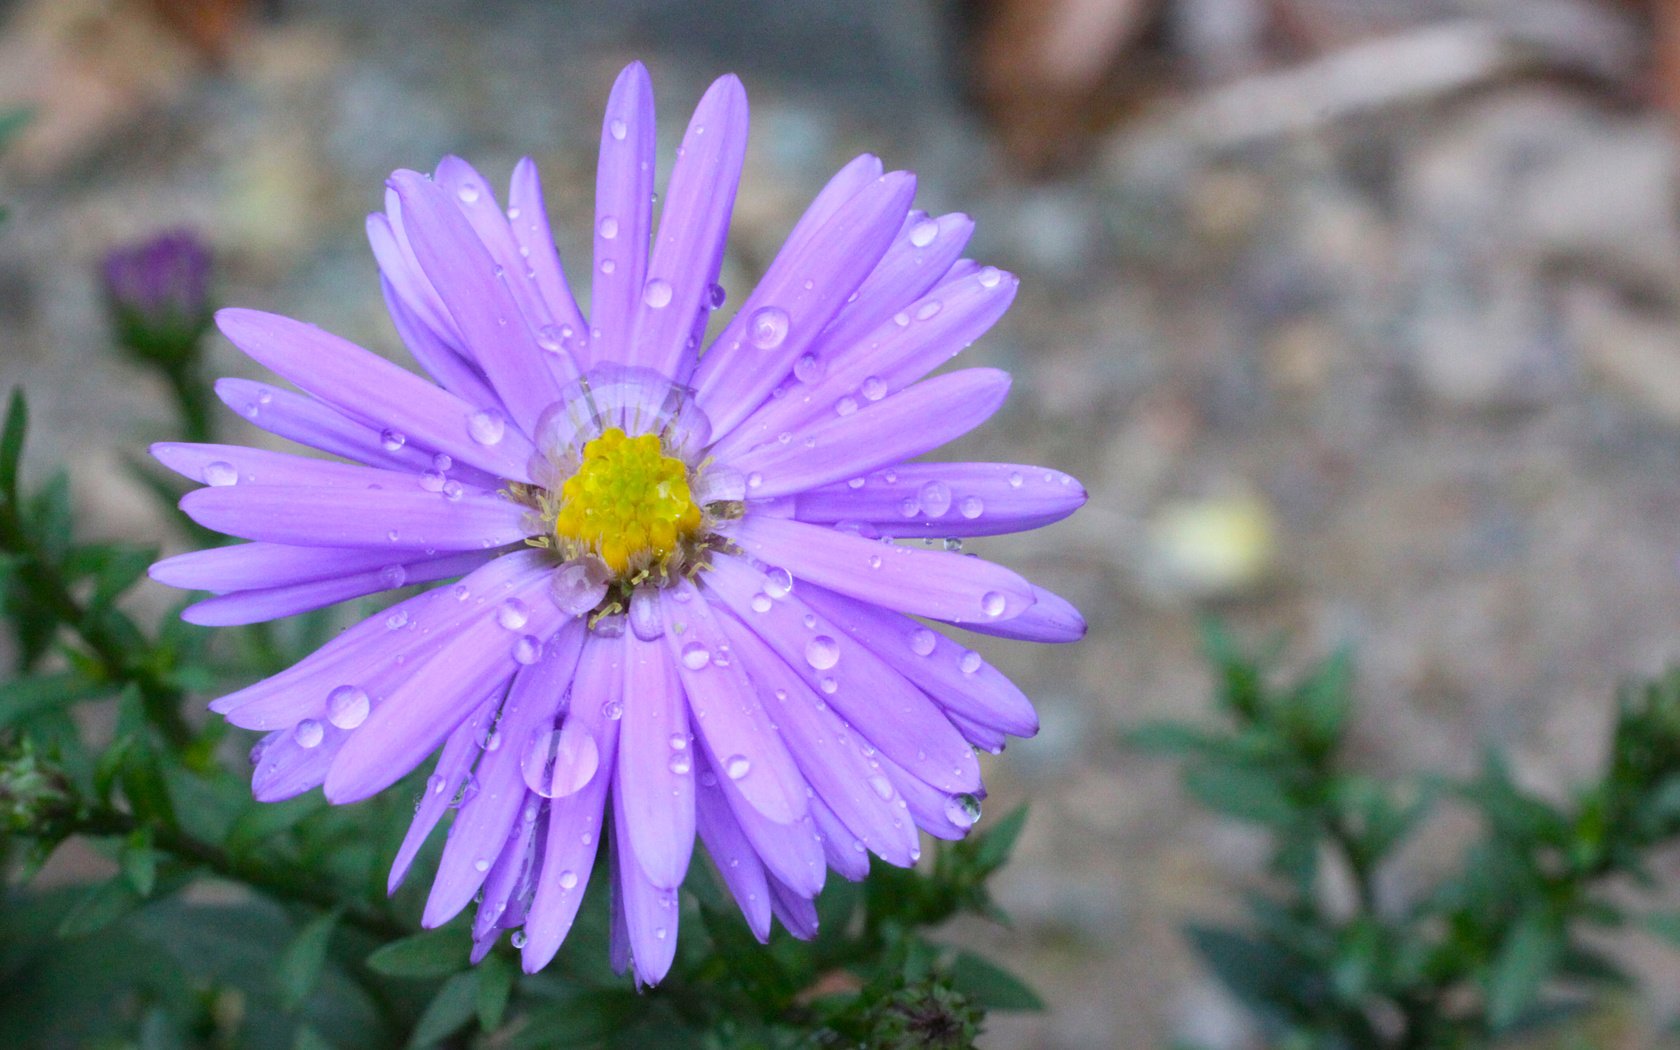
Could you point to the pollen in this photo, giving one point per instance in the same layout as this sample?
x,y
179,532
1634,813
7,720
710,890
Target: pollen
x,y
629,503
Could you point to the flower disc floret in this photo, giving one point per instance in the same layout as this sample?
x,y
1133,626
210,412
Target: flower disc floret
x,y
629,503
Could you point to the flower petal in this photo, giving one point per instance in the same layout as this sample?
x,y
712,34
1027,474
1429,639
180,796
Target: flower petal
x,y
438,358
735,860
843,850
399,521
790,851
728,717
623,214
454,762
906,424
655,773
894,716
919,259
940,584
369,388
798,297
1051,618
528,217
650,911
797,912
307,421
269,603
947,499
252,566
228,465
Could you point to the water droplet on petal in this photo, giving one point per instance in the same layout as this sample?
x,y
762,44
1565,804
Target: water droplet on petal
x,y
513,614
972,507
220,474
617,129
845,406
737,766
468,193
778,583
308,733
397,620
391,440
761,603
680,764
657,294
923,233
874,388
715,295
928,310
560,762
528,650
962,810
695,656
645,620
822,652
579,586
432,480
935,498
347,706
550,339
992,603
487,426
518,939
768,327
989,277
609,228
882,786
922,641
969,662
568,880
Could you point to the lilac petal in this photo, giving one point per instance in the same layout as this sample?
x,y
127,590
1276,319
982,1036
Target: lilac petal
x,y
1051,618
843,850
482,826
388,237
943,585
797,912
912,267
438,358
650,911
251,566
370,651
986,738
397,520
798,297
478,203
728,717
623,213
655,776
476,291
270,603
894,716
888,359
618,928
962,499
528,217
693,225
307,421
287,769
454,763
791,852
575,820
369,388
930,807
830,756
848,182
499,905
735,860
416,716
225,466
957,678
906,424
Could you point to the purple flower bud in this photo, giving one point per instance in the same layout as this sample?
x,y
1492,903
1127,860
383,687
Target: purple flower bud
x,y
158,293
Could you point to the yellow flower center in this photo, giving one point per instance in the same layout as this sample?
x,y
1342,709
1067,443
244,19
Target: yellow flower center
x,y
629,503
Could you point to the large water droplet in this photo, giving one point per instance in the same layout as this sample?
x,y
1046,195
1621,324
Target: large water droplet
x,y
962,810
874,388
922,641
736,767
579,586
559,763
657,294
487,426
822,652
935,497
969,662
568,879
528,650
308,733
680,764
432,480
990,276
972,507
992,603
923,233
393,576
391,440
220,474
513,614
778,583
645,620
468,193
768,327
617,129
347,706
609,228
695,656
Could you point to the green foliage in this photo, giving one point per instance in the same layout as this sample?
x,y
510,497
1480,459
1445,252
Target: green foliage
x,y
1492,952
228,923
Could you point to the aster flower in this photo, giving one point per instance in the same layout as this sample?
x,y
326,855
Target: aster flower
x,y
679,609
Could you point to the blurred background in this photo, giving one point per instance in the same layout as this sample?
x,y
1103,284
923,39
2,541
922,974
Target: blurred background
x,y
1358,318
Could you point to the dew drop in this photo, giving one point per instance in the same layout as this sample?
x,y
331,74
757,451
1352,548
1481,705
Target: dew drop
x,y
923,233
922,641
696,656
608,266
962,810
969,662
992,603
612,710
579,586
874,388
559,763
909,507
808,369
487,426
220,474
829,685
680,764
513,614
568,879
972,507
657,294
397,620
715,295
778,583
736,767
761,603
391,440
468,193
845,406
617,129
928,310
822,652
768,327
550,339
308,733
453,491
347,706
527,650
935,497
882,786
432,480
645,620
609,228
518,939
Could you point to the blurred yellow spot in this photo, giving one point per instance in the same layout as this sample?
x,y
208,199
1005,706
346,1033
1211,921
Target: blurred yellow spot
x,y
628,502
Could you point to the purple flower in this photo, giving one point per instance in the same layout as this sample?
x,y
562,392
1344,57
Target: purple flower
x,y
680,610
158,292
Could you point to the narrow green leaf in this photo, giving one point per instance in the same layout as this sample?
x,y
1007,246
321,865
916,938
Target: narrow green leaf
x,y
1243,793
991,985
103,905
11,444
299,969
448,1011
495,985
24,698
435,953
1524,962
1166,738
139,861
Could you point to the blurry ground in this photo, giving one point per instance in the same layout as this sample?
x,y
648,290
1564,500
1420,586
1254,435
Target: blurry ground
x,y
1384,352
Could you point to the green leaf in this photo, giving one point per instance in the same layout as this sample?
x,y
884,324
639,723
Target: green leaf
x,y
448,1011
117,572
24,698
300,965
495,985
1259,974
1520,969
103,905
991,985
435,953
996,844
580,1018
1167,738
1241,792
11,444
139,861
